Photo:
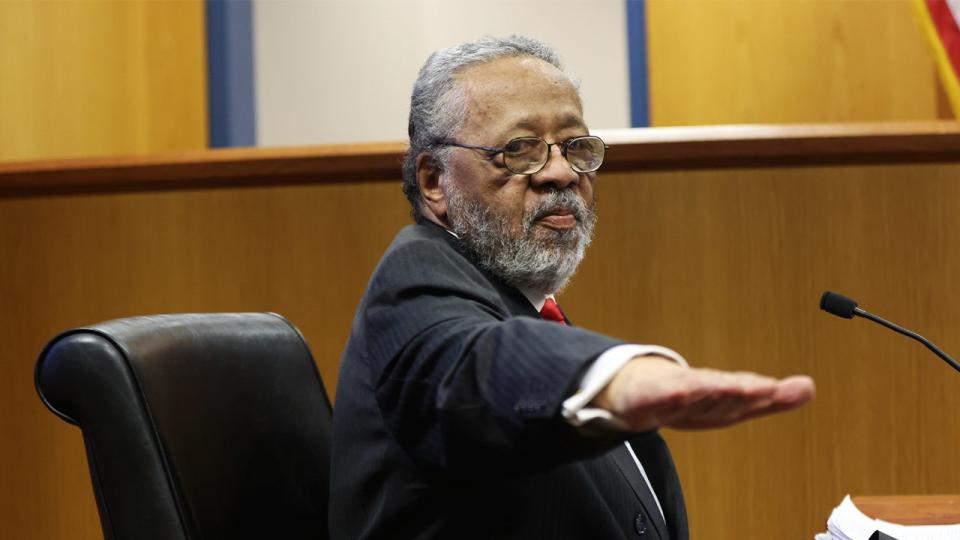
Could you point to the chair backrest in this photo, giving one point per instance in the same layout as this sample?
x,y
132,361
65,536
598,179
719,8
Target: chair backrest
x,y
196,425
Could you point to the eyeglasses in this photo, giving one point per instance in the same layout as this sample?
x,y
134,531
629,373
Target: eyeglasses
x,y
528,155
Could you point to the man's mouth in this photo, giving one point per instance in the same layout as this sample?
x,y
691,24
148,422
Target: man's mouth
x,y
558,218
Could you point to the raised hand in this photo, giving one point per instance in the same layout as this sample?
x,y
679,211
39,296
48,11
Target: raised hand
x,y
651,392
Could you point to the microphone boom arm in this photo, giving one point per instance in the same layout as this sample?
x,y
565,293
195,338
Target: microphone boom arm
x,y
913,335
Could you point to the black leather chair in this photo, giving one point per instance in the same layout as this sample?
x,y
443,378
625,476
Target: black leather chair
x,y
196,426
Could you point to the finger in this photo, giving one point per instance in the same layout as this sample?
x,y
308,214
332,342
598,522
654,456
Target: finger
x,y
797,389
752,385
723,412
791,393
710,397
752,402
702,408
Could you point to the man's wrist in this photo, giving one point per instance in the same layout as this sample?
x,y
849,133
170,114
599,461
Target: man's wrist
x,y
580,409
606,398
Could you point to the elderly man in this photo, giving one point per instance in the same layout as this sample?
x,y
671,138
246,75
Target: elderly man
x,y
467,406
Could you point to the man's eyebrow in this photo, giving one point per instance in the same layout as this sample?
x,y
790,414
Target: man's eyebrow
x,y
567,122
573,120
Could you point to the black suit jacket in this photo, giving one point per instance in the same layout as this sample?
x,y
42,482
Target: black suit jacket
x,y
447,417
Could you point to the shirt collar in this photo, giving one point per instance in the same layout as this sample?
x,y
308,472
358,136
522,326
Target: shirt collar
x,y
537,299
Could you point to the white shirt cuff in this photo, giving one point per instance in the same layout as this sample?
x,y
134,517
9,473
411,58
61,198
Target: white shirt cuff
x,y
599,374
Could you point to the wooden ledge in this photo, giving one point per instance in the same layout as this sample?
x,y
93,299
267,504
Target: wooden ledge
x,y
631,149
781,145
232,167
912,509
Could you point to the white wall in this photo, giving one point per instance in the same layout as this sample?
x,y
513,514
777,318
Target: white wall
x,y
342,70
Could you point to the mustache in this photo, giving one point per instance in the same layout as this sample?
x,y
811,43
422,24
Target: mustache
x,y
565,201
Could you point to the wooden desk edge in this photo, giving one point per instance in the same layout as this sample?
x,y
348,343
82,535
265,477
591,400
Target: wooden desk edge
x,y
631,149
912,509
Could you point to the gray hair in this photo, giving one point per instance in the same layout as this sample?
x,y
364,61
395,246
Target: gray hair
x,y
437,111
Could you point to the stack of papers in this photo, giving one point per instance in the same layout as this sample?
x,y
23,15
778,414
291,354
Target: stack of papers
x,y
847,522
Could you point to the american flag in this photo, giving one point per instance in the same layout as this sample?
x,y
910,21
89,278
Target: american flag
x,y
940,20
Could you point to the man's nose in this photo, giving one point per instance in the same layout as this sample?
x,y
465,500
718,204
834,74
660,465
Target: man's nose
x,y
556,170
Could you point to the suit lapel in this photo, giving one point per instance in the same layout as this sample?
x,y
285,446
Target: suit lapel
x,y
518,304
621,456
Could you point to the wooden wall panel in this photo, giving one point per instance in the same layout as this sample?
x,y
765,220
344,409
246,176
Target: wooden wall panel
x,y
728,266
756,61
724,265
305,252
101,77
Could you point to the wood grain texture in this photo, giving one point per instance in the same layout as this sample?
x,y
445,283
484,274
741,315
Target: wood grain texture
x,y
234,167
630,149
305,252
101,77
727,267
724,265
760,61
912,509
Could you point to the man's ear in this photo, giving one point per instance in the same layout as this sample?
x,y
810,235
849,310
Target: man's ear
x,y
428,178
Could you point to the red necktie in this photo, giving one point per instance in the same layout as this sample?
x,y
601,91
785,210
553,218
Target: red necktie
x,y
551,312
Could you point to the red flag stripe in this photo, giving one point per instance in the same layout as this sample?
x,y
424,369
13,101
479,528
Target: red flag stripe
x,y
948,30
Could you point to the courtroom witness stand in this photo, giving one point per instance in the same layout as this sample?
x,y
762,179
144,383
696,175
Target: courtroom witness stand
x,y
449,420
649,392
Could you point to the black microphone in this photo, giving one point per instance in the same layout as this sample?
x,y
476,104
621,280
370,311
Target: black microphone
x,y
841,306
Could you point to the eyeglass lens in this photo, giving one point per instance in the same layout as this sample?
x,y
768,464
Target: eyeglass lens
x,y
527,155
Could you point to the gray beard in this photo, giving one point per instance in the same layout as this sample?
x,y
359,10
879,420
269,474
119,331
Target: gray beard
x,y
535,259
